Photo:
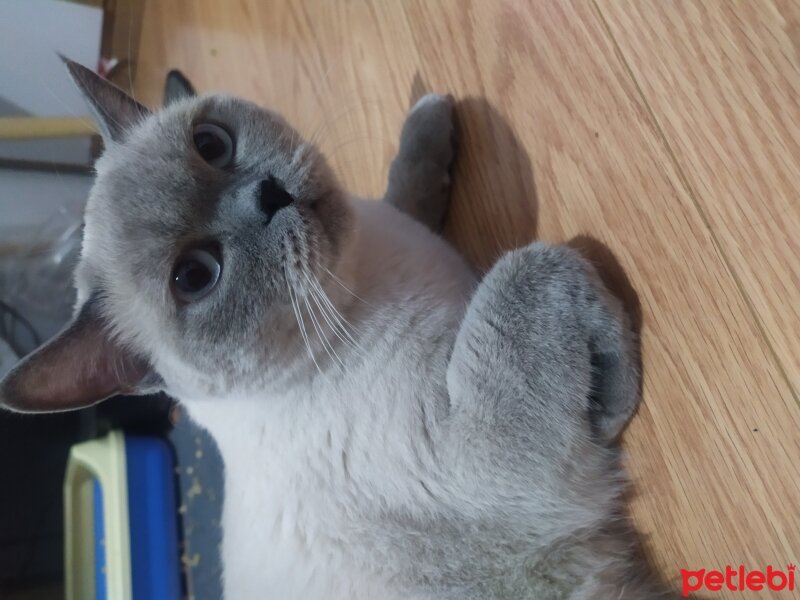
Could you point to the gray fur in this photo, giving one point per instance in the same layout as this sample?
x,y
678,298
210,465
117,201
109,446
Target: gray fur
x,y
419,176
434,444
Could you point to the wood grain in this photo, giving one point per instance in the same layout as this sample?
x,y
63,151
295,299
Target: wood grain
x,y
722,80
560,138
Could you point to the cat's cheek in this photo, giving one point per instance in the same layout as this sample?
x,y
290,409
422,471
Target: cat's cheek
x,y
334,223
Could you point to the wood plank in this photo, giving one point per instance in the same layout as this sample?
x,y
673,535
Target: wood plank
x,y
556,142
723,80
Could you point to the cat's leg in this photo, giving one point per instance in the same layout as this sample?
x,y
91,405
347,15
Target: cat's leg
x,y
546,348
419,177
542,379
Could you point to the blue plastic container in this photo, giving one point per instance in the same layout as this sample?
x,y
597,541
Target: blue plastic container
x,y
121,520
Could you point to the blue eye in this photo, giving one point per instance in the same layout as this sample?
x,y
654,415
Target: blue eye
x,y
194,275
214,144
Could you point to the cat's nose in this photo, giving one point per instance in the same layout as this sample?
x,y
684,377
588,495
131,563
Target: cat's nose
x,y
273,197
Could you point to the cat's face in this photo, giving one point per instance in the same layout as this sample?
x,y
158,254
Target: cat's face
x,y
197,225
202,219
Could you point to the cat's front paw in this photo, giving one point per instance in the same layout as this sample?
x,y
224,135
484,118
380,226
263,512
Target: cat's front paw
x,y
420,176
429,132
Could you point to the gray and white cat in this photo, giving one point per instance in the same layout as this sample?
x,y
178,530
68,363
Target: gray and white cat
x,y
391,427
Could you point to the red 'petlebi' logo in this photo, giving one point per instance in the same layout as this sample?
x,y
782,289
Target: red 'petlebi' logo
x,y
739,580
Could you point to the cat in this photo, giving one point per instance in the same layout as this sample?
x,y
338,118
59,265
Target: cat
x,y
392,427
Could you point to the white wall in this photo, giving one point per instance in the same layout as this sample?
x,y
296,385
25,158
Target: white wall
x,y
32,32
30,198
33,79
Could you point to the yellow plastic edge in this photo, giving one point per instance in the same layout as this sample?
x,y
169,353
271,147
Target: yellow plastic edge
x,y
103,459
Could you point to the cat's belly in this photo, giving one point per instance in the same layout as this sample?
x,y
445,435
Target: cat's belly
x,y
270,575
303,513
280,546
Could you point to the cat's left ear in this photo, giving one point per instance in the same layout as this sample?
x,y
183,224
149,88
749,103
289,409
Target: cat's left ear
x,y
114,111
81,366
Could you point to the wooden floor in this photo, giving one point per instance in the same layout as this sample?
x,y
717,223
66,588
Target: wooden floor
x,y
665,134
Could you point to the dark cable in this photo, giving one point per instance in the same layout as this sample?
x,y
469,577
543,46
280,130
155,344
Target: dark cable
x,y
9,319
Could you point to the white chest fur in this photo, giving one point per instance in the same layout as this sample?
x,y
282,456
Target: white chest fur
x,y
310,471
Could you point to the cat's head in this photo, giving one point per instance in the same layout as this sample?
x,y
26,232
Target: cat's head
x,y
202,217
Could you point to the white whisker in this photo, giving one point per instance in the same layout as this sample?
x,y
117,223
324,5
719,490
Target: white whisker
x,y
344,287
335,314
324,312
325,127
300,323
129,58
321,334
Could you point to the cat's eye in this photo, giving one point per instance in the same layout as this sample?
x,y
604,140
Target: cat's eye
x,y
214,144
195,274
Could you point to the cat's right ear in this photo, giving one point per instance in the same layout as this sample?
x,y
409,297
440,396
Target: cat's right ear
x,y
177,87
81,366
114,111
